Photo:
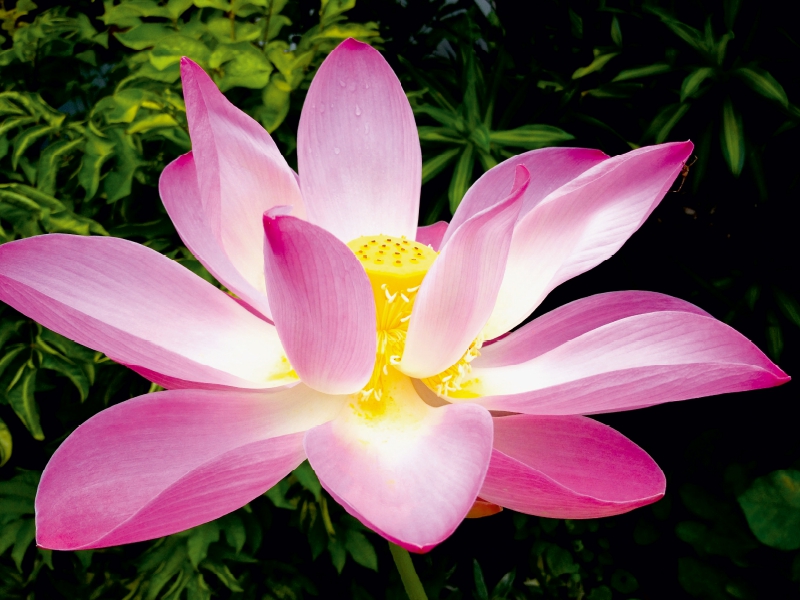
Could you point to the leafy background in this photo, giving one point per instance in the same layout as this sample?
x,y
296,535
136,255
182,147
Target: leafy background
x,y
91,111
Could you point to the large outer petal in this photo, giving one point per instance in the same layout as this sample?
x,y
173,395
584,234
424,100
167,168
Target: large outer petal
x,y
458,293
411,474
322,302
240,175
141,309
580,225
357,147
632,362
182,199
568,467
164,462
550,168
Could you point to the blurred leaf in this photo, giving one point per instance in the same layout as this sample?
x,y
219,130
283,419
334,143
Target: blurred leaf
x,y
308,479
433,166
788,305
6,443
481,593
763,83
504,586
732,137
772,508
655,69
616,31
667,118
598,63
361,549
774,336
530,136
694,80
462,177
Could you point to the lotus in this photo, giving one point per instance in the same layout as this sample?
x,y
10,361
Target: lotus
x,y
350,337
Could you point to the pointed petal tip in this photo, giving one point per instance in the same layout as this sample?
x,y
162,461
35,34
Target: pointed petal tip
x,y
352,44
282,210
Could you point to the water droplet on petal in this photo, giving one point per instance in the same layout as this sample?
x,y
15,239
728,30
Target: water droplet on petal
x,y
358,110
336,151
342,83
352,86
366,128
366,86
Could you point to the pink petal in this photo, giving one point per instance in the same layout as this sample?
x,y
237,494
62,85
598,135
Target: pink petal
x,y
568,467
322,303
357,147
182,199
632,362
580,225
240,175
550,168
458,293
431,235
410,477
141,309
164,462
574,319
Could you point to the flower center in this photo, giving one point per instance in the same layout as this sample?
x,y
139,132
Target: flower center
x,y
395,267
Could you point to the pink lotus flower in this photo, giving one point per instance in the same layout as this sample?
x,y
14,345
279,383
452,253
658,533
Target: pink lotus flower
x,y
395,422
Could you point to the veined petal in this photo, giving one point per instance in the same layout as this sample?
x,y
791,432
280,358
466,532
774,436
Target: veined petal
x,y
632,362
240,175
581,224
411,474
164,462
357,147
458,293
322,303
550,168
182,199
141,309
574,319
432,235
568,467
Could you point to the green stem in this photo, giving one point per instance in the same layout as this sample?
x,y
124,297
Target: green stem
x,y
409,576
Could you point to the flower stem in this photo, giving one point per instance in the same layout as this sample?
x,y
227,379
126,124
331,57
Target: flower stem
x,y
409,576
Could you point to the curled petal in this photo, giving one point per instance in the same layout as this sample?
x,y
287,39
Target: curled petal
x,y
432,235
322,303
412,472
141,309
357,147
630,362
240,174
459,292
164,462
581,224
549,168
568,467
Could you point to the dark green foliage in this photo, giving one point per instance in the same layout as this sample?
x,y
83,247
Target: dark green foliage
x,y
91,111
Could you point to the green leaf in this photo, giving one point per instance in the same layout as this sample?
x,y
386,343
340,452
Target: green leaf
x,y
275,101
530,136
598,63
560,561
224,575
655,69
616,32
624,582
96,152
200,539
772,508
694,80
144,36
51,161
24,140
6,443
361,549
462,177
481,593
774,336
9,357
308,479
25,535
732,137
788,305
443,116
503,587
248,68
22,400
439,134
338,553
664,122
72,371
151,122
763,83
168,51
